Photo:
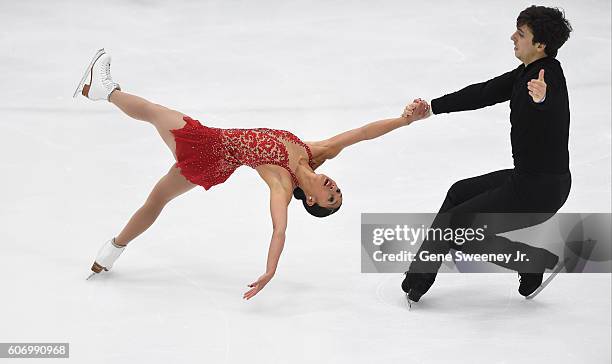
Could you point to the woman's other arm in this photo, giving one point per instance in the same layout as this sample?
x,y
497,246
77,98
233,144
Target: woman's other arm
x,y
279,200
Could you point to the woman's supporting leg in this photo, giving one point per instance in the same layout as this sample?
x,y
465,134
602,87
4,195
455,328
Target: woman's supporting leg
x,y
161,117
171,185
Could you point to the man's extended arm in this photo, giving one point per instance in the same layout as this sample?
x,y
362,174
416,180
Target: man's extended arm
x,y
476,96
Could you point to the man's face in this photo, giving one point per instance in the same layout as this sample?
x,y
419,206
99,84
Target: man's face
x,y
524,49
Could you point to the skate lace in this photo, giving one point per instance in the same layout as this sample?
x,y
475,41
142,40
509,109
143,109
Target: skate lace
x,y
107,80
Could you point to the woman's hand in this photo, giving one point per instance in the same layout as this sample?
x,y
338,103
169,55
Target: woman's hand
x,y
417,110
258,285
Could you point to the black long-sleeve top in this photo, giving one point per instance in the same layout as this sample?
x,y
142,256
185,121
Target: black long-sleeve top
x,y
539,132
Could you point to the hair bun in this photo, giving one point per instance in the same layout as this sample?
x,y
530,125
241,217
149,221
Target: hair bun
x,y
315,209
299,194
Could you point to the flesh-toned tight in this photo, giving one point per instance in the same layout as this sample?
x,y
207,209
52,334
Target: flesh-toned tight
x,y
172,184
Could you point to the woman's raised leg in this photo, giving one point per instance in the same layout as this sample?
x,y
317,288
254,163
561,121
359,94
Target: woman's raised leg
x,y
171,185
163,118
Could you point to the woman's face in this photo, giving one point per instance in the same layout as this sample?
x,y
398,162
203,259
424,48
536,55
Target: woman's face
x,y
326,193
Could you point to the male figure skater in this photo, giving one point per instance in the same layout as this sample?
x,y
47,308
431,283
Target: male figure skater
x,y
540,180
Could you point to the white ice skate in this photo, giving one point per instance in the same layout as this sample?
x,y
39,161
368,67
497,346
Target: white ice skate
x,y
100,81
107,255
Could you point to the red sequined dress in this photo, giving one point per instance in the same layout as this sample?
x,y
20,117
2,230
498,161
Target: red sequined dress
x,y
208,156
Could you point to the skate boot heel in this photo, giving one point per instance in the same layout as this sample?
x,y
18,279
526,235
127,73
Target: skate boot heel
x,y
97,268
85,90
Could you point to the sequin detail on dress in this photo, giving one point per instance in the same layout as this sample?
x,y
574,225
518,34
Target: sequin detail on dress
x,y
208,156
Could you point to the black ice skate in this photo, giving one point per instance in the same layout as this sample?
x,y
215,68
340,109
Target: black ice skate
x,y
416,285
552,275
530,282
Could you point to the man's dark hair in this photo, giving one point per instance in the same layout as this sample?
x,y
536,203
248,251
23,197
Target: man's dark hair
x,y
548,26
316,209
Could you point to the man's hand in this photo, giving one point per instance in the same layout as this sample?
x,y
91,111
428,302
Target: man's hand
x,y
258,285
537,88
417,110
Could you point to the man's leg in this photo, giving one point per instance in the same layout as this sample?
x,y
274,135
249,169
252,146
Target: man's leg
x,y
421,275
517,194
467,195
466,189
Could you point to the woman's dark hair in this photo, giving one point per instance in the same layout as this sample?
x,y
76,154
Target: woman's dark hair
x,y
314,210
548,25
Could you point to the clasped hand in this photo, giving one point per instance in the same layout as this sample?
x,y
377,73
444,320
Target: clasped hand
x,y
417,110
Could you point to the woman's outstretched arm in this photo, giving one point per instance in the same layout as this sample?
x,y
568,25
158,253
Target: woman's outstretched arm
x,y
333,146
279,200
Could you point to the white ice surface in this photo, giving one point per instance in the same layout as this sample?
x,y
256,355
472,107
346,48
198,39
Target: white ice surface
x,y
75,171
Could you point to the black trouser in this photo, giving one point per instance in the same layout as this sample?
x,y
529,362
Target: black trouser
x,y
507,191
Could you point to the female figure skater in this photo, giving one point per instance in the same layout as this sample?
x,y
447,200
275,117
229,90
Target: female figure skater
x,y
207,156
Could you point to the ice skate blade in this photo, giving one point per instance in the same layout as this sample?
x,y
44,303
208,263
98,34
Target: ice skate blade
x,y
552,275
84,78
